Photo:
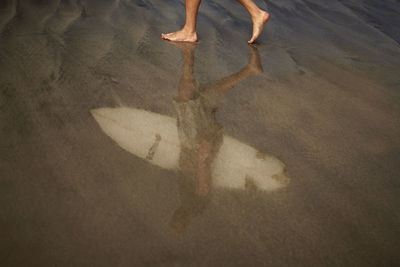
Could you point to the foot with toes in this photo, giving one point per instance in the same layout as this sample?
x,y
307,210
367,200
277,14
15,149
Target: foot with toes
x,y
180,36
258,24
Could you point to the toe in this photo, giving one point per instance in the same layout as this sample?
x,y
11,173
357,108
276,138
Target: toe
x,y
166,35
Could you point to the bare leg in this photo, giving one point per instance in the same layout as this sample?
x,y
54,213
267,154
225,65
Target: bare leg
x,y
188,32
203,186
187,86
258,16
187,83
254,67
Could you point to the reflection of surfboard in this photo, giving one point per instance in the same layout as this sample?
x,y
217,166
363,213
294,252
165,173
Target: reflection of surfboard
x,y
154,137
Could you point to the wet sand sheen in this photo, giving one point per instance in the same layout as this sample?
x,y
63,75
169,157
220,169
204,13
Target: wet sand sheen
x,y
326,105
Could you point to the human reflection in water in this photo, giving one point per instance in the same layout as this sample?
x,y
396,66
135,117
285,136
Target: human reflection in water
x,y
199,132
197,149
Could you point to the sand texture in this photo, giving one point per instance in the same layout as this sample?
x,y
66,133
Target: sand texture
x,y
118,148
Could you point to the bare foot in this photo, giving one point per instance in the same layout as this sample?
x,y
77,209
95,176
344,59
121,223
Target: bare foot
x,y
180,36
258,25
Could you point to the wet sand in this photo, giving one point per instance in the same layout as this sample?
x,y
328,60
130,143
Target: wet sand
x,y
118,148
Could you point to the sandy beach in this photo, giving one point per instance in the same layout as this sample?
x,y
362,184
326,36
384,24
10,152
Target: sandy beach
x,y
118,148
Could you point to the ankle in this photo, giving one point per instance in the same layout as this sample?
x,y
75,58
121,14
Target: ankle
x,y
189,30
257,14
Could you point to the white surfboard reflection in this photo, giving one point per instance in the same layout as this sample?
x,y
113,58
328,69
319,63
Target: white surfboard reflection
x,y
154,138
193,144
